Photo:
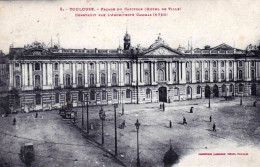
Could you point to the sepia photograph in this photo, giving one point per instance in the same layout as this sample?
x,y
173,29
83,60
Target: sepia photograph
x,y
132,83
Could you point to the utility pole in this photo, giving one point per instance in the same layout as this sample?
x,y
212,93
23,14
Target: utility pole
x,y
115,130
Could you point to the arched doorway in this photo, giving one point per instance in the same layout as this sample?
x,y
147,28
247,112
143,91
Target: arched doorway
x,y
253,89
207,91
224,90
215,91
163,94
189,92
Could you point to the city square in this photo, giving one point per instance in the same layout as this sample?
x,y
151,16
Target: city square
x,y
237,132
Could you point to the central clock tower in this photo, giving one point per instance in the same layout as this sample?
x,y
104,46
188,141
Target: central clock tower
x,y
127,41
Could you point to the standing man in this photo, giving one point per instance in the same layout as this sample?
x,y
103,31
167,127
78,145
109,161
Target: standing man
x,y
184,121
191,110
170,124
36,116
210,118
14,121
214,127
163,107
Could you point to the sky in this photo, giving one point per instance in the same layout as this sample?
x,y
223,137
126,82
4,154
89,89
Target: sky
x,y
204,22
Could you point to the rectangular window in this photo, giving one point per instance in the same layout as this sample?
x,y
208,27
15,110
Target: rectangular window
x,y
66,66
104,95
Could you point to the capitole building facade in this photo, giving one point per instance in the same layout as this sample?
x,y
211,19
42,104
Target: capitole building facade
x,y
43,78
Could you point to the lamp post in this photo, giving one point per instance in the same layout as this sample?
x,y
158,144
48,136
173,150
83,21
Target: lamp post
x,y
115,130
241,100
123,109
87,116
102,116
137,125
209,97
82,124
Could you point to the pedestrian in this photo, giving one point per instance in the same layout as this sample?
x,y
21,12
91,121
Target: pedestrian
x,y
210,118
254,104
36,115
14,121
191,110
160,106
214,127
163,107
184,121
170,124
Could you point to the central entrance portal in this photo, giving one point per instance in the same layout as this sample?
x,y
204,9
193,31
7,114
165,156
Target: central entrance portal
x,y
162,94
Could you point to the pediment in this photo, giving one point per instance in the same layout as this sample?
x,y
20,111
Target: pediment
x,y
223,47
160,51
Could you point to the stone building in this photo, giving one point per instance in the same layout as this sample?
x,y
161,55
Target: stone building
x,y
43,77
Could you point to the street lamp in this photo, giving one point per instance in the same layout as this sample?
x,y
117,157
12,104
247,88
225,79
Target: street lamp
x,y
115,130
82,104
137,125
102,116
87,115
209,97
241,100
123,109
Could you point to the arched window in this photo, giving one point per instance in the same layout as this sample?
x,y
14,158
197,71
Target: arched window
x,y
214,64
174,76
128,93
230,64
127,65
230,74
240,74
146,78
67,80
80,96
114,79
104,95
102,66
38,99
252,63
103,79
161,75
188,90
17,82
115,94
241,88
91,66
57,98
56,80
37,81
187,76
197,64
80,83
127,78
198,90
92,79
37,66
187,64
148,93
231,87
240,63
214,76
56,66
206,75
222,64
197,75
206,64
92,95
222,75
253,74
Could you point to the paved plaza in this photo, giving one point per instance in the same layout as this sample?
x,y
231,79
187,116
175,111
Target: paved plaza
x,y
59,143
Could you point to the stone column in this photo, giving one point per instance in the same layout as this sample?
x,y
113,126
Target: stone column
x,y
249,71
219,71
183,73
61,75
170,73
179,72
152,73
235,70
167,72
155,72
142,72
44,74
121,78
202,72
227,71
86,74
134,73
193,72
30,75
257,72
139,71
98,74
210,71
108,74
74,83
50,71
11,76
